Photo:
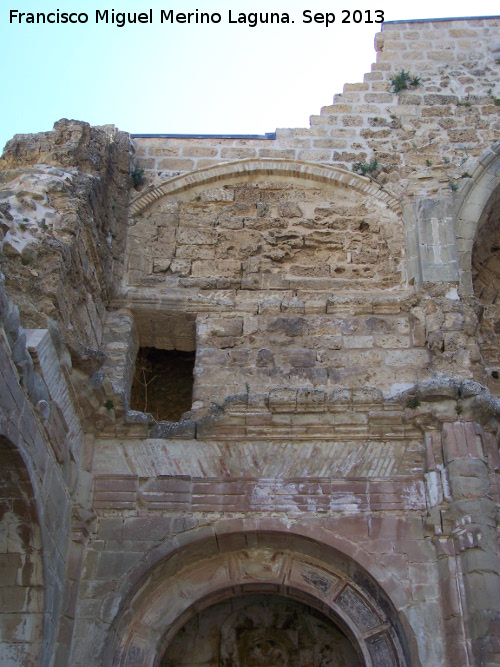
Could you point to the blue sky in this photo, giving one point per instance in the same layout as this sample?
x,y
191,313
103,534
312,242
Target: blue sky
x,y
217,78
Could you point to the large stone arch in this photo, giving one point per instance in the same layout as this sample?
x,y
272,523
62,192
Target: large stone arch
x,y
473,208
267,224
312,566
264,166
21,563
41,494
478,236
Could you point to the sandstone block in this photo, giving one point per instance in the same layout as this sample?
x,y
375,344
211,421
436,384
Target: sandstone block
x,y
330,143
184,429
282,400
352,121
198,151
222,267
378,98
164,151
348,87
166,235
176,164
301,359
196,236
358,341
193,252
463,136
314,155
441,55
311,400
180,267
284,154
218,194
225,327
238,153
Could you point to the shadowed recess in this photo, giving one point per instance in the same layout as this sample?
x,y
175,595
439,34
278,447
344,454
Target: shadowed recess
x,y
163,383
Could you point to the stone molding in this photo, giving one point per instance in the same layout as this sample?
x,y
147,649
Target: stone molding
x,y
320,569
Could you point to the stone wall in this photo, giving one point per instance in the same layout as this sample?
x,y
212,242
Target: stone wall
x,y
449,117
36,503
57,193
333,492
63,217
268,235
22,566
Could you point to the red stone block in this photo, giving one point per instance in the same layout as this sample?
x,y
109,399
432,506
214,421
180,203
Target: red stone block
x,y
115,483
353,486
392,527
116,500
232,542
460,441
492,451
434,450
209,487
163,497
354,527
456,649
146,528
153,497
417,551
168,485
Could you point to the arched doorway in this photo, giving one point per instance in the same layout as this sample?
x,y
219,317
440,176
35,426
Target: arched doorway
x,y
486,284
474,208
290,577
260,630
486,253
21,567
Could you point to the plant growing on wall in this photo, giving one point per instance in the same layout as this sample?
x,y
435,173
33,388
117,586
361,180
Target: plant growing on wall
x,y
365,168
143,373
413,403
403,81
496,100
137,176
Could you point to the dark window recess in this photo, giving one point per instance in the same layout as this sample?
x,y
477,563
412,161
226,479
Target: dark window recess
x,y
163,383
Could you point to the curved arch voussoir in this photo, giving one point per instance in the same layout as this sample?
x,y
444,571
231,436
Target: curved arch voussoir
x,y
266,167
173,590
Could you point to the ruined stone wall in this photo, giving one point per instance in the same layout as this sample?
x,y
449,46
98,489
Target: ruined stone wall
x,y
333,491
63,216
268,234
58,191
426,138
449,119
38,474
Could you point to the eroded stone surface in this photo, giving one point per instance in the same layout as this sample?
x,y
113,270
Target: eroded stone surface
x,y
339,461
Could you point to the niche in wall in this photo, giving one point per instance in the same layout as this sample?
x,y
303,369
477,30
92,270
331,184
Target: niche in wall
x,y
163,383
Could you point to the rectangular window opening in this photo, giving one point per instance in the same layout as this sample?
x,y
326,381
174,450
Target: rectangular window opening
x,y
163,383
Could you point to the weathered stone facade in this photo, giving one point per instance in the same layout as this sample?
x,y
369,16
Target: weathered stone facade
x,y
332,495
